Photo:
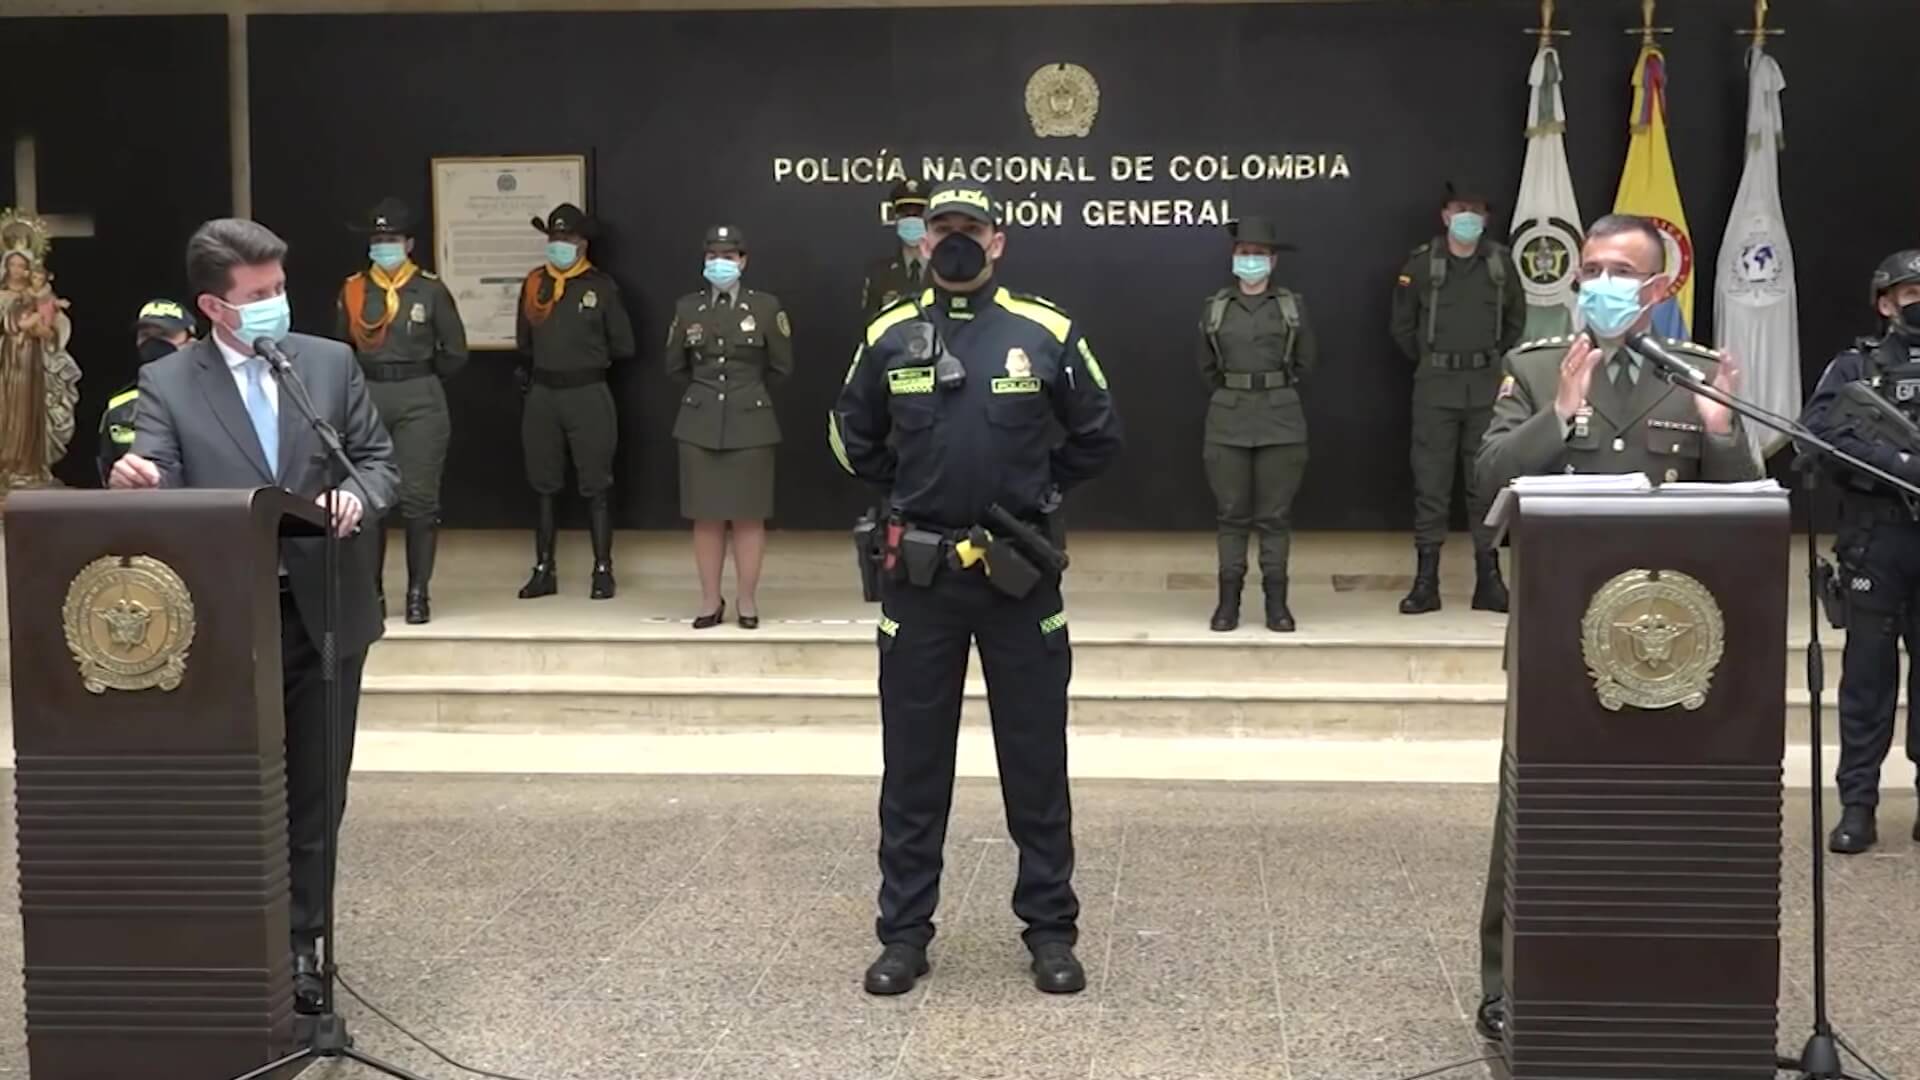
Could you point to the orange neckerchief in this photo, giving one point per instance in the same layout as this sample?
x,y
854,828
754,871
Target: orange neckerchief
x,y
370,336
536,311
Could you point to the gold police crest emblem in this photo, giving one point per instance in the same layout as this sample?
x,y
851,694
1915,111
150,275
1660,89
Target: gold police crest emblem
x,y
1062,101
1652,640
1019,365
129,622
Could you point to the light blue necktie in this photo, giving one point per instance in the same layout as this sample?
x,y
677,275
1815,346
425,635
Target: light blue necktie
x,y
266,426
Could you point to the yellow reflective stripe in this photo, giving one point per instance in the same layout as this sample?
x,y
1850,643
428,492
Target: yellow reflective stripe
x,y
120,399
926,298
1057,324
858,352
1052,622
886,321
1093,366
888,626
838,444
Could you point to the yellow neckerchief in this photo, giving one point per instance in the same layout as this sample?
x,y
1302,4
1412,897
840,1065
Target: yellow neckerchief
x,y
369,336
536,311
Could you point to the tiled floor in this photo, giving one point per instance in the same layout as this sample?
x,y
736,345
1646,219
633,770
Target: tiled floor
x,y
675,927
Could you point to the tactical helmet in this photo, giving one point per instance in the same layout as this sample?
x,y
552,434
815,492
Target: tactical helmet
x,y
1899,268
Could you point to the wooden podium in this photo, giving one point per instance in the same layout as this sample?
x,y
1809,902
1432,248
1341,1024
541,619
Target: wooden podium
x,y
1643,842
151,780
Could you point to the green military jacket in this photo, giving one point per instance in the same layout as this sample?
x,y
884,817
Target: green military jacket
x,y
888,280
1653,428
1472,320
585,328
725,355
426,331
1255,361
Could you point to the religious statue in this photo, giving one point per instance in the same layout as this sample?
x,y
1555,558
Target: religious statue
x,y
39,380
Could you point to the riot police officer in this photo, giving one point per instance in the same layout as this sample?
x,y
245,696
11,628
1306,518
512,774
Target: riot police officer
x,y
407,334
904,270
1256,349
965,400
163,327
1878,547
726,344
572,326
1457,308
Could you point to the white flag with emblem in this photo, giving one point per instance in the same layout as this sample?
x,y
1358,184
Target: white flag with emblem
x,y
1756,312
1546,217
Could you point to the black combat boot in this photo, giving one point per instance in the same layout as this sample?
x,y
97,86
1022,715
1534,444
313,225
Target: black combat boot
x,y
1279,618
1856,832
423,537
1226,616
1489,590
1425,594
600,524
542,582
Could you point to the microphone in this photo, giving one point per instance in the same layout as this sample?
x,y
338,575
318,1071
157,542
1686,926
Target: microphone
x,y
1650,349
269,350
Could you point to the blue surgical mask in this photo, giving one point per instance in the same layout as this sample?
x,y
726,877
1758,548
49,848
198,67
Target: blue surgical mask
x,y
1466,226
1609,305
562,254
722,272
911,229
271,318
388,256
1252,268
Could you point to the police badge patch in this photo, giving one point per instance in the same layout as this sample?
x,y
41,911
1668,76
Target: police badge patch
x,y
748,326
1019,366
590,300
419,313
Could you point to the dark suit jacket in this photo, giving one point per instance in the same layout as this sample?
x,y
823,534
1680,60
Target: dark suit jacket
x,y
192,424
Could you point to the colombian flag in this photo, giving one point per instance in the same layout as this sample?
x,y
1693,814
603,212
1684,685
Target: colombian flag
x,y
1648,187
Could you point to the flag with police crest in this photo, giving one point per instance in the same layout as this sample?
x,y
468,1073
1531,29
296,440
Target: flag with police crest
x,y
1756,314
1546,217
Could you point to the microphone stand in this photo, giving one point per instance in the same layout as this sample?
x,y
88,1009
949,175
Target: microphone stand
x,y
1820,1058
328,1037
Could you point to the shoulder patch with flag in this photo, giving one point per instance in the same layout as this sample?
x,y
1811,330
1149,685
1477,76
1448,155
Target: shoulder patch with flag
x,y
1405,280
1507,387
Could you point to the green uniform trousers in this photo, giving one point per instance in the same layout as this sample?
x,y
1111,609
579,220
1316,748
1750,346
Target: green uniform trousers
x,y
1253,489
1443,436
577,418
415,412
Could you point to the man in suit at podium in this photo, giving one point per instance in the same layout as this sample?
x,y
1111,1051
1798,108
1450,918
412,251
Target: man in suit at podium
x,y
1589,404
213,416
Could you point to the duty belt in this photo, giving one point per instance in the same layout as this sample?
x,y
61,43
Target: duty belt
x,y
396,372
1256,380
1463,361
567,380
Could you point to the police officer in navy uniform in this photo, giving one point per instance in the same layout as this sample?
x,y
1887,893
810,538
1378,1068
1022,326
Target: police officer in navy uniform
x,y
1878,546
904,271
164,327
965,397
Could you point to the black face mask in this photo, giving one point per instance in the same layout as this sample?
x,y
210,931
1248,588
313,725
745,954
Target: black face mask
x,y
1906,321
154,348
958,258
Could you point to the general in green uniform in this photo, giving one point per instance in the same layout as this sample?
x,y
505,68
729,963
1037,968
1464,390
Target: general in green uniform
x,y
904,271
407,334
1567,405
1457,308
726,344
164,326
572,325
1256,350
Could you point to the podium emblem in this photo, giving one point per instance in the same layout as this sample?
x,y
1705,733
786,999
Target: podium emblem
x,y
1652,640
129,622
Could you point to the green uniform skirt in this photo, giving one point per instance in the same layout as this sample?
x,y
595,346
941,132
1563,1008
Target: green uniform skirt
x,y
726,485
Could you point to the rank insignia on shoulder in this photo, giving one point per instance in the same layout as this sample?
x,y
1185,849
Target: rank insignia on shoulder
x,y
419,313
590,299
1507,387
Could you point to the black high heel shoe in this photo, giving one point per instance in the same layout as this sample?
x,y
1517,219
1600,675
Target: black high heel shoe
x,y
708,622
749,622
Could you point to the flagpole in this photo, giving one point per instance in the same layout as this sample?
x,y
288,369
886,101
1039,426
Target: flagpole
x,y
1649,33
1546,32
1760,31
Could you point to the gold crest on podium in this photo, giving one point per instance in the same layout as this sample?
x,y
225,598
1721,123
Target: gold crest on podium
x,y
1652,640
129,623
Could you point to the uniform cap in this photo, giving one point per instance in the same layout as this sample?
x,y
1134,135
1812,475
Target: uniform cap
x,y
390,215
969,200
568,218
1899,268
726,238
909,198
168,315
1467,191
1257,230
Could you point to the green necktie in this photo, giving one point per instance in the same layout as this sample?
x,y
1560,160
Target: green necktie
x,y
1623,374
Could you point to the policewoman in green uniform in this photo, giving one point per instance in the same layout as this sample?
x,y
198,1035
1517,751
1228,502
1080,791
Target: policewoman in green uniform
x,y
407,334
1457,308
1256,350
572,326
1589,404
726,345
163,327
904,271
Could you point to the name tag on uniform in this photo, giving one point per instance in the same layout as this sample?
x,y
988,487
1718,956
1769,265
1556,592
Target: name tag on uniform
x,y
910,380
1673,425
1016,386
